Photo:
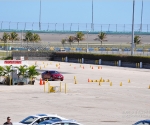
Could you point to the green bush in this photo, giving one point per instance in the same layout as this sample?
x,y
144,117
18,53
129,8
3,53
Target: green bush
x,y
105,57
7,58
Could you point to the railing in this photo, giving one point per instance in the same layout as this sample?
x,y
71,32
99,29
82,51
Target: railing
x,y
63,27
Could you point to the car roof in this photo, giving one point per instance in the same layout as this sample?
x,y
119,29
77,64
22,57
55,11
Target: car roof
x,y
43,115
51,71
51,115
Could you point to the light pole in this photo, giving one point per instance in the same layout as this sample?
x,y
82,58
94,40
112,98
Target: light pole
x,y
92,17
40,17
87,44
17,25
1,24
48,27
70,26
132,46
21,38
141,16
9,25
32,25
55,26
25,26
108,27
63,27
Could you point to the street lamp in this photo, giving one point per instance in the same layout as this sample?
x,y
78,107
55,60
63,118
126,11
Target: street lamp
x,y
63,26
1,24
132,46
40,17
9,25
70,26
55,26
87,48
108,27
17,25
141,16
25,26
92,18
48,27
32,25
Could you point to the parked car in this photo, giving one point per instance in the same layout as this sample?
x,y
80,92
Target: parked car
x,y
61,50
52,75
142,122
63,122
36,119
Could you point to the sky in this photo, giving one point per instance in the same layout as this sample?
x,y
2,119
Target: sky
x,y
74,11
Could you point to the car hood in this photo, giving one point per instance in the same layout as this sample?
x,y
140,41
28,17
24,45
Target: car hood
x,y
17,123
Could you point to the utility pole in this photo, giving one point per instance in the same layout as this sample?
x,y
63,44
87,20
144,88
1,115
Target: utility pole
x,y
92,28
40,17
132,45
141,16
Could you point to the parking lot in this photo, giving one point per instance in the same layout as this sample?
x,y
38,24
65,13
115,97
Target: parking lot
x,y
123,103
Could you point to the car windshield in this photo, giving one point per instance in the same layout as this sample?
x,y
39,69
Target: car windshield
x,y
54,72
28,120
142,123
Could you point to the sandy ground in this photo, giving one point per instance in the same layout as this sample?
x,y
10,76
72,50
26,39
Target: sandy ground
x,y
88,103
111,39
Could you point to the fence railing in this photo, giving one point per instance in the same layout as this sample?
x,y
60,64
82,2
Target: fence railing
x,y
35,26
101,50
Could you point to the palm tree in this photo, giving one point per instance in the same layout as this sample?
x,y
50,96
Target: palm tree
x,y
28,37
13,36
32,72
102,37
1,72
36,38
70,39
63,41
22,70
79,36
7,71
137,40
5,37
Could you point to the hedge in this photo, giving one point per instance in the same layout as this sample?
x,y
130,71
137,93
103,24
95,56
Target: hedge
x,y
105,57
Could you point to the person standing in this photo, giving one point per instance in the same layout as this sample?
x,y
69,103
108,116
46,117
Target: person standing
x,y
8,121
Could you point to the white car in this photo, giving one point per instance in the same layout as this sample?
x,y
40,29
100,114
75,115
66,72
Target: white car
x,y
63,122
36,119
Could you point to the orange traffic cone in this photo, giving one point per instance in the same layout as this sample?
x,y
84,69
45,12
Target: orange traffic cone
x,y
83,67
40,81
89,80
74,67
92,67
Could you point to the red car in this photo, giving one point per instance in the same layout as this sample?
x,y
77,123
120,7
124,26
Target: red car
x,y
52,75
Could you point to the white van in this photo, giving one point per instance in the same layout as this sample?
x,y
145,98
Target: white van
x,y
61,50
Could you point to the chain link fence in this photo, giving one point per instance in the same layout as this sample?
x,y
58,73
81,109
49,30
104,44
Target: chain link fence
x,y
35,26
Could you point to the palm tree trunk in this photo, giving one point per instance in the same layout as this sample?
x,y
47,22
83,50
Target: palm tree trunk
x,y
10,80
